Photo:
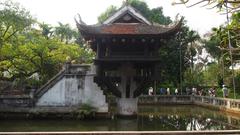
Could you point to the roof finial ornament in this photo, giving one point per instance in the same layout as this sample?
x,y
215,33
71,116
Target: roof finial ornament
x,y
80,20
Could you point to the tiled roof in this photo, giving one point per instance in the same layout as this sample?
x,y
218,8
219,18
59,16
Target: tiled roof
x,y
127,29
113,27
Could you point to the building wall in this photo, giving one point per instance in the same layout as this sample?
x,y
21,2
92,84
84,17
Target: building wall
x,y
74,90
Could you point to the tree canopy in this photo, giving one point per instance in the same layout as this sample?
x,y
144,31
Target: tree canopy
x,y
154,15
32,51
232,5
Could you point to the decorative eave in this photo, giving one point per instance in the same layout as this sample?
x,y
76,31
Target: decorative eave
x,y
128,29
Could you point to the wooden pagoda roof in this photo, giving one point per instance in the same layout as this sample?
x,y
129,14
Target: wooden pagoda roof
x,y
127,21
127,29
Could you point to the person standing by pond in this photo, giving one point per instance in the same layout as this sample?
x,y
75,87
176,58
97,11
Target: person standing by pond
x,y
214,92
150,91
225,91
168,91
176,91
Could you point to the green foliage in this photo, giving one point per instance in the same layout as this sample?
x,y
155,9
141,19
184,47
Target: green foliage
x,y
13,20
65,33
184,41
36,54
212,74
237,80
218,46
155,15
31,54
232,5
193,78
111,10
212,47
141,6
158,17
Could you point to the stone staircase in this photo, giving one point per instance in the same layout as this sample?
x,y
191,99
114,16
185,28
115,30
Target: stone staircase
x,y
39,92
106,85
143,85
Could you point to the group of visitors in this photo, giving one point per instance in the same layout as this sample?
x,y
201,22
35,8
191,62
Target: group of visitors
x,y
190,91
162,91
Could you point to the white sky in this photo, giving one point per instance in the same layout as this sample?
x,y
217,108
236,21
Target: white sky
x,y
53,11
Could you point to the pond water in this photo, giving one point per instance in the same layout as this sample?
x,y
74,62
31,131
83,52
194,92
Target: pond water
x,y
150,118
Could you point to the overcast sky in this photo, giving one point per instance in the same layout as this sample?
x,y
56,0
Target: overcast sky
x,y
53,11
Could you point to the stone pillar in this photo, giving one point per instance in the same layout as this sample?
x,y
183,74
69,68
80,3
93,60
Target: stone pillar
x,y
67,66
228,104
127,106
214,101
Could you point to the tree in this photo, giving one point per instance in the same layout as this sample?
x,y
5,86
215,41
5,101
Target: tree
x,y
111,10
232,5
191,50
38,55
13,20
158,17
27,51
65,33
46,30
155,15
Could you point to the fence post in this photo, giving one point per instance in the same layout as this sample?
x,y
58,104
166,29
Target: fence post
x,y
228,104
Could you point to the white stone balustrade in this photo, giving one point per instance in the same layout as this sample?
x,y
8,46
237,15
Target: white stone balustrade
x,y
226,104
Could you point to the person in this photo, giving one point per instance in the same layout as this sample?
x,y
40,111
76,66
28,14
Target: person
x,y
213,92
188,91
161,91
150,91
164,91
168,91
176,91
200,93
210,92
225,91
194,91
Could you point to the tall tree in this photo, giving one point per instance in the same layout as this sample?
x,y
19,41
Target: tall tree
x,y
155,15
65,32
46,30
13,20
27,51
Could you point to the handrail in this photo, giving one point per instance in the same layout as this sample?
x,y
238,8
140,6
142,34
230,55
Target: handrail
x,y
49,84
222,103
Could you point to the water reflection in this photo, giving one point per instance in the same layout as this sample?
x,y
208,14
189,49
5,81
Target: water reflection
x,y
150,118
185,118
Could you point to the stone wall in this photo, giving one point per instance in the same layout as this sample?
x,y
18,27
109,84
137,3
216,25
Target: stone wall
x,y
9,101
75,88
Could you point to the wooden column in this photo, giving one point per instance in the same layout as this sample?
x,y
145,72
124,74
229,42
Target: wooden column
x,y
98,51
155,87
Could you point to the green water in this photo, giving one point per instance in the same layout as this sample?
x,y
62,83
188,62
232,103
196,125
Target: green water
x,y
154,118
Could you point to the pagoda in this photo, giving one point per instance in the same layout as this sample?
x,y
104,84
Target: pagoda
x,y
127,54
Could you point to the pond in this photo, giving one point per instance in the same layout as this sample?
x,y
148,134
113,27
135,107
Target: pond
x,y
150,118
